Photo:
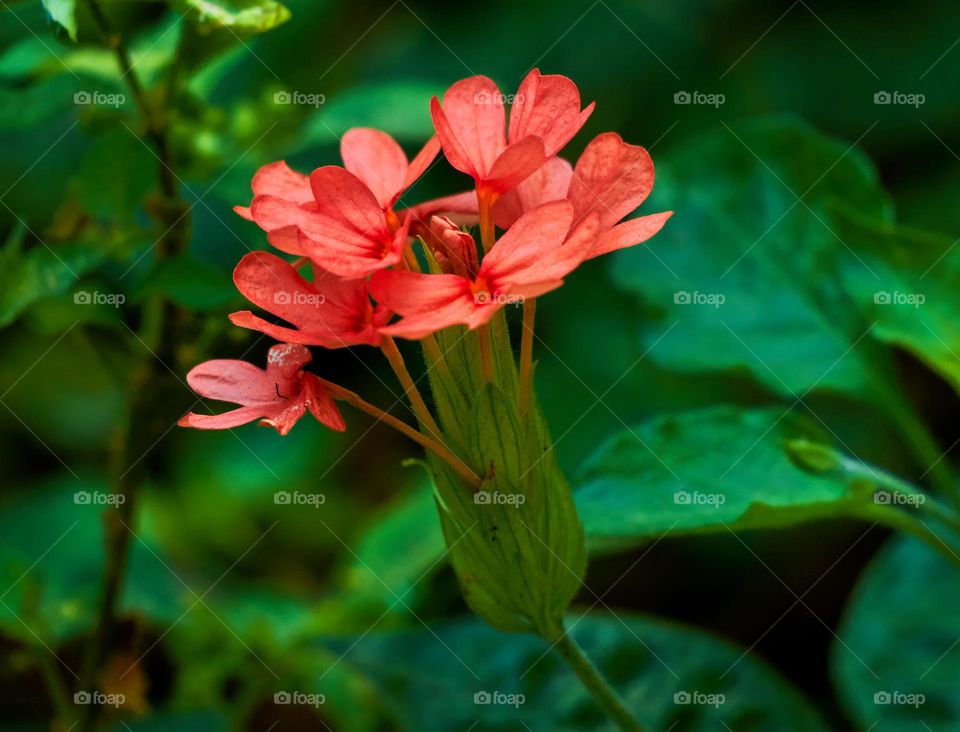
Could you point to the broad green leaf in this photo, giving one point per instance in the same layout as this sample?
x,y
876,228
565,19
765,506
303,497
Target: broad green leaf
x,y
749,274
446,672
242,16
40,272
913,297
64,14
402,546
724,468
897,661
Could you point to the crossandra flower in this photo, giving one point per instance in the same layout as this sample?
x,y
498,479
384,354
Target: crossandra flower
x,y
532,258
329,311
342,218
277,396
611,178
471,126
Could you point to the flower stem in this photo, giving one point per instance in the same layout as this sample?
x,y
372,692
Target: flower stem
x,y
486,357
390,350
437,448
591,678
526,356
485,201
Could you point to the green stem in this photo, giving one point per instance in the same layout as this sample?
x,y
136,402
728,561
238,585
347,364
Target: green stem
x,y
591,678
903,521
55,685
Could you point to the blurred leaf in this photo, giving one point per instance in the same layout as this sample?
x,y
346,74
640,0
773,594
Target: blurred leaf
x,y
401,109
748,273
722,469
913,297
40,272
64,14
116,174
190,283
648,660
401,546
245,16
899,636
52,562
25,107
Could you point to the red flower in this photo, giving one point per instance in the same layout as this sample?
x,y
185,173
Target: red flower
x,y
342,218
611,178
471,126
532,258
329,312
278,397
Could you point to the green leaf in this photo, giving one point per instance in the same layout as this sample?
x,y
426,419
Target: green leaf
x,y
898,638
399,548
40,272
912,299
647,660
191,283
116,174
64,14
400,108
242,16
749,275
52,562
723,468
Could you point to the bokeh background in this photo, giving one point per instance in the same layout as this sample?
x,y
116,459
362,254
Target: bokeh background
x,y
229,597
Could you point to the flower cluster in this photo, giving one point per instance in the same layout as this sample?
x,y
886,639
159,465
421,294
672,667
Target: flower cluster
x,y
379,270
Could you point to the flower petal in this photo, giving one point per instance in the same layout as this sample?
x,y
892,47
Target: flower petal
x,y
612,177
548,107
278,179
471,125
377,160
535,235
629,233
329,311
428,302
321,404
549,183
228,380
423,160
224,421
516,164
